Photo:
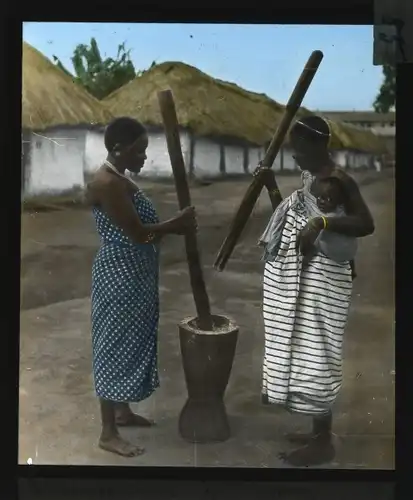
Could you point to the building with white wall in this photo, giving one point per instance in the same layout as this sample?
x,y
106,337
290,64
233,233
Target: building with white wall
x,y
357,148
58,119
224,128
383,125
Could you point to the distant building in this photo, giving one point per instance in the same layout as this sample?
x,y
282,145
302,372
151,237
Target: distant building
x,y
381,124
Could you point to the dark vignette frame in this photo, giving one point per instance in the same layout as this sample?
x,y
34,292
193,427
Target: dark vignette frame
x,y
80,482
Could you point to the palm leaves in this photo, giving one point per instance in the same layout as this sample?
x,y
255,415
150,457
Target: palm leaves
x,y
100,77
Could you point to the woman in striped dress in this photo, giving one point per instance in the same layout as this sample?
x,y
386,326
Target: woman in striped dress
x,y
305,307
125,301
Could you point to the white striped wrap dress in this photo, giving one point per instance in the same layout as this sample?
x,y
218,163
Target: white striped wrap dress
x,y
305,313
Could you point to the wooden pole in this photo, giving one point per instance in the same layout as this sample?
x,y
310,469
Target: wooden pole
x,y
254,190
170,120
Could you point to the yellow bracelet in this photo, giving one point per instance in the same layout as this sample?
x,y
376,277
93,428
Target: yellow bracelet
x,y
275,191
324,222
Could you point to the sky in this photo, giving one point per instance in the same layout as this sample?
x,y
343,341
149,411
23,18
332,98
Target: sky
x,y
261,58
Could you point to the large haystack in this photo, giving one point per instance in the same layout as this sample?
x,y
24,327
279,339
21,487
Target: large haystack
x,y
51,98
211,107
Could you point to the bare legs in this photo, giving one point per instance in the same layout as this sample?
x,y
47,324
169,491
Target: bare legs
x,y
317,447
114,415
126,418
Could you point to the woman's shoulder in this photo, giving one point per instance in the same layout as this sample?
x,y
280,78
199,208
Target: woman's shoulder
x,y
103,183
341,174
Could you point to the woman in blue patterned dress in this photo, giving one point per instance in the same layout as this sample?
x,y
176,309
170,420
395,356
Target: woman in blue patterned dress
x,y
125,299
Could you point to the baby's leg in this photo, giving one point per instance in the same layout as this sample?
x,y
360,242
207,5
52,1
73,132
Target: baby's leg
x,y
308,257
353,270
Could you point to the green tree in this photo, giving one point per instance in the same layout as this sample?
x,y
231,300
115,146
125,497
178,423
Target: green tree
x,y
386,98
100,77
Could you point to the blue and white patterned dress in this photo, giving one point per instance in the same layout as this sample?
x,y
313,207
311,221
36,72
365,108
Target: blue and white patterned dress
x,y
125,310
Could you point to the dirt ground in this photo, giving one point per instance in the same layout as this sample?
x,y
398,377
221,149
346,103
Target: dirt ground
x,y
59,417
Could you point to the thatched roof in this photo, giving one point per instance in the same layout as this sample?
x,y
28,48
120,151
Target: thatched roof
x,y
51,98
208,106
361,116
205,105
351,137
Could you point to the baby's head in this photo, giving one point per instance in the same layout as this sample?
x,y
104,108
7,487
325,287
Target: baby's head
x,y
330,194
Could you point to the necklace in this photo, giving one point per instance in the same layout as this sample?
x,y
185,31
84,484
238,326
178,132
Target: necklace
x,y
112,167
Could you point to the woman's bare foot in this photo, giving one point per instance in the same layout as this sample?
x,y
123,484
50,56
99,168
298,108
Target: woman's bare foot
x,y
121,447
316,452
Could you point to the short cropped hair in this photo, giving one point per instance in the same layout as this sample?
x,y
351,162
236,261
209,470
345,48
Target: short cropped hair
x,y
122,132
312,129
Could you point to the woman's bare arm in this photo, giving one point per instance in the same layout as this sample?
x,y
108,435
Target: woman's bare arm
x,y
268,178
358,221
114,199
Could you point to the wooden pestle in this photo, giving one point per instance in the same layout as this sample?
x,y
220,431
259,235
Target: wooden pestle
x,y
254,190
171,125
